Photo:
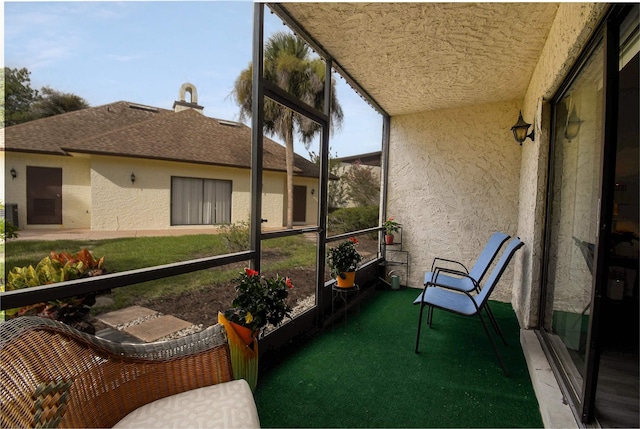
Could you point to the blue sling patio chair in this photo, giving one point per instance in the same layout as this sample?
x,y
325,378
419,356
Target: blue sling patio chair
x,y
440,296
463,279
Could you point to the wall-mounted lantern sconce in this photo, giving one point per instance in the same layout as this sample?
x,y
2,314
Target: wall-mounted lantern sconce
x,y
313,191
520,130
14,173
133,178
572,128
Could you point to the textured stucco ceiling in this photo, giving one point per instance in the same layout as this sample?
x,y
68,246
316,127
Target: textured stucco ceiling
x,y
413,57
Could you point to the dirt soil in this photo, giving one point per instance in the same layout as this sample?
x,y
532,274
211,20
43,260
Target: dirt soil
x,y
201,307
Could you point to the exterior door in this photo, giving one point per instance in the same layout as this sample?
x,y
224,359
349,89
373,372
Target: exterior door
x,y
584,294
299,204
44,196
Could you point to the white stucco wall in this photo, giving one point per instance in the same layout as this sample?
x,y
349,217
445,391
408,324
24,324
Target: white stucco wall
x,y
274,201
454,177
76,192
311,213
273,188
97,192
120,205
572,27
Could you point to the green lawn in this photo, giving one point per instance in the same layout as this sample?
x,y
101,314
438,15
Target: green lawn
x,y
123,254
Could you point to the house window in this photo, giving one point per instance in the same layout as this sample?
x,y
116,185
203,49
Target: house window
x,y
200,201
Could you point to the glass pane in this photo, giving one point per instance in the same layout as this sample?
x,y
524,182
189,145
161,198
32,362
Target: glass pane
x,y
617,398
195,299
366,245
355,166
290,201
182,172
291,64
293,257
574,207
186,201
355,142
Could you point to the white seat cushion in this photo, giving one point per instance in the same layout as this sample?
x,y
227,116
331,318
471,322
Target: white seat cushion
x,y
224,405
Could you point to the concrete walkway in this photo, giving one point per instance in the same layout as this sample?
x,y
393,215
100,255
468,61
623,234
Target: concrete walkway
x,y
142,325
87,234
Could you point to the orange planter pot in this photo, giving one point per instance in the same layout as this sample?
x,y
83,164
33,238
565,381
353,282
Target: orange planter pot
x,y
388,239
244,358
348,282
245,333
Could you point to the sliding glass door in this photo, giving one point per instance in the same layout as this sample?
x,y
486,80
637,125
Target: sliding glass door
x,y
590,284
573,216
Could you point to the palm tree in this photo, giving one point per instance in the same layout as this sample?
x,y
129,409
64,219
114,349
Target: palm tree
x,y
287,63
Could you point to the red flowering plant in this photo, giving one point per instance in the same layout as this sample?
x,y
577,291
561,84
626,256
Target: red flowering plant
x,y
344,258
260,300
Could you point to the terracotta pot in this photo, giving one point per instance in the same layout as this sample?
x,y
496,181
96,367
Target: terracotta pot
x,y
245,333
347,282
388,238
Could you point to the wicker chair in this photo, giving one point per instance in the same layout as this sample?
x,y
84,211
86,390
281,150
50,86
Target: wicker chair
x,y
54,376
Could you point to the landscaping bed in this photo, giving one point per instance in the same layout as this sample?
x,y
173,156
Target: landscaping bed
x,y
197,297
201,307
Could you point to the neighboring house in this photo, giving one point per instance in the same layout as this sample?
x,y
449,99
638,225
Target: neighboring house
x,y
125,166
372,159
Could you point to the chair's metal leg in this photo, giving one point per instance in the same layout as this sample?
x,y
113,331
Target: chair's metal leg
x,y
494,323
419,326
430,317
493,344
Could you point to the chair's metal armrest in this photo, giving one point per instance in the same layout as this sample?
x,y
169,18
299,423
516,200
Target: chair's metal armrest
x,y
451,261
439,270
446,270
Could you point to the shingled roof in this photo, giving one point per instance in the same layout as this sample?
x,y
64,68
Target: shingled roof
x,y
136,131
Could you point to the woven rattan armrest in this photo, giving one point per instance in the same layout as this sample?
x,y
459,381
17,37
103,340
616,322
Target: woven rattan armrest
x,y
53,375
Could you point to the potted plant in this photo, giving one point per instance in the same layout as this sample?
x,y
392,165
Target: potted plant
x,y
343,261
259,301
390,226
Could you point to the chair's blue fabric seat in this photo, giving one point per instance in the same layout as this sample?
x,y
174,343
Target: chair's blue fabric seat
x,y
448,300
458,283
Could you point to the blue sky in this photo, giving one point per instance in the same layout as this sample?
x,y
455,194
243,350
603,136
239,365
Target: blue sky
x,y
143,51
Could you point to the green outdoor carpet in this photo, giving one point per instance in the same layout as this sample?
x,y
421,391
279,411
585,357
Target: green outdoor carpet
x,y
366,374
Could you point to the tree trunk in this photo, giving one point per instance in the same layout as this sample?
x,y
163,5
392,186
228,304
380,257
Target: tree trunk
x,y
289,161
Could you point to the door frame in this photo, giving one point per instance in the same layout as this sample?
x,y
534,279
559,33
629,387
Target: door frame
x,y
607,36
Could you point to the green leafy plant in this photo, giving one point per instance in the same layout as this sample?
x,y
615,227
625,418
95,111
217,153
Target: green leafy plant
x,y
236,236
7,230
344,258
350,219
390,226
363,187
55,268
260,300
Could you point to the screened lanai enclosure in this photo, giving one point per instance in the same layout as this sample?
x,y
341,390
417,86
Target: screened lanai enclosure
x,y
445,84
